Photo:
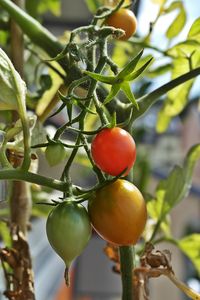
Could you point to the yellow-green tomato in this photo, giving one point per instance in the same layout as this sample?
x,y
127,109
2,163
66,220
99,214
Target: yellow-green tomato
x,y
55,154
118,212
68,230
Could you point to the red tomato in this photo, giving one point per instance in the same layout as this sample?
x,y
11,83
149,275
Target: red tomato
x,y
113,150
123,19
118,212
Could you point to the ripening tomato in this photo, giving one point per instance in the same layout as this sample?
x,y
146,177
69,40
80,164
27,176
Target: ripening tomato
x,y
118,212
123,19
68,230
113,150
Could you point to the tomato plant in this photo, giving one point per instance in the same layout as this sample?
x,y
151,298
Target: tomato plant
x,y
113,150
118,212
68,230
123,19
78,68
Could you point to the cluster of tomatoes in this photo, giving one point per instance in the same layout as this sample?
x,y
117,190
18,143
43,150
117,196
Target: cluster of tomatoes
x,y
117,211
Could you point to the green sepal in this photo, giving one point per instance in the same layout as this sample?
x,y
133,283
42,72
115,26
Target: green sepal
x,y
101,78
138,72
130,67
113,92
125,86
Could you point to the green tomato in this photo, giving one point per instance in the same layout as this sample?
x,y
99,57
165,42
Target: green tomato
x,y
68,230
55,154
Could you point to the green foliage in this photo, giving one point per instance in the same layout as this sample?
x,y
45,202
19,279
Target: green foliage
x,y
38,7
190,245
175,188
121,81
93,5
178,23
13,88
186,56
5,233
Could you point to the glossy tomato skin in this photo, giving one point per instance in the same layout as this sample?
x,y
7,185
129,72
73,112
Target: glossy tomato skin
x,y
68,230
118,213
113,150
123,19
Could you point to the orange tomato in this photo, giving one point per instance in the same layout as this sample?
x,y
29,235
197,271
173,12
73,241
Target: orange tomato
x,y
118,212
123,19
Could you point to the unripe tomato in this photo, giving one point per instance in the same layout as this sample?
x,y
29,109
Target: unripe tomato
x,y
123,19
113,150
55,154
118,213
68,230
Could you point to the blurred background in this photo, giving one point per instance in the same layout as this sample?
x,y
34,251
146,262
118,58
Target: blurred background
x,y
92,277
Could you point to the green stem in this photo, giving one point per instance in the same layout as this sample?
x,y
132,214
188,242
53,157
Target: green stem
x,y
21,175
27,143
148,100
127,265
3,159
35,31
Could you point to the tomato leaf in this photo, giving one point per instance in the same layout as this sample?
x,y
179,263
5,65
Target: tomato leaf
x,y
179,21
172,190
13,88
190,245
194,32
187,54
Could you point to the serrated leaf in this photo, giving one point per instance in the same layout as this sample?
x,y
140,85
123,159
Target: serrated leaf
x,y
101,78
194,32
190,245
13,89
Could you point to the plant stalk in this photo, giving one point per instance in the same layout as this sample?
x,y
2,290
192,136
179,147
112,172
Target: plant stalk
x,y
20,198
127,264
21,175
